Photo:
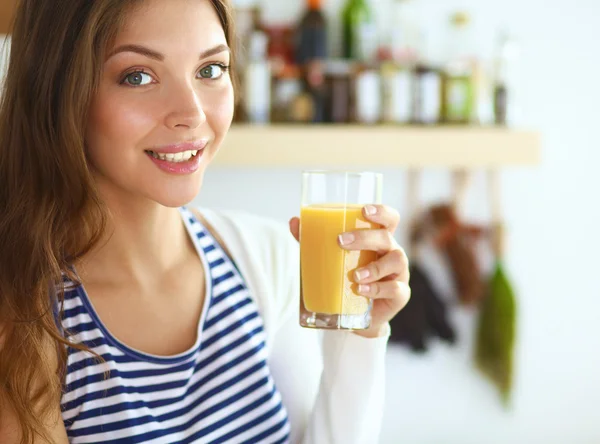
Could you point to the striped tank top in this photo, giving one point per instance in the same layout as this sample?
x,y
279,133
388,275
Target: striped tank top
x,y
220,391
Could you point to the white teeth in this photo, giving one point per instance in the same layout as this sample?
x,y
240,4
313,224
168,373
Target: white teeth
x,y
176,157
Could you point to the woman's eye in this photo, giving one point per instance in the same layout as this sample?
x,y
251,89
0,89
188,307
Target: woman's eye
x,y
138,78
212,72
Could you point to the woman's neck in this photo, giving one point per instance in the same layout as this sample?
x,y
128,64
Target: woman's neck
x,y
142,239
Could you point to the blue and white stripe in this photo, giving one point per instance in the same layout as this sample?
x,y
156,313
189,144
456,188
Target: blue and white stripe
x,y
219,391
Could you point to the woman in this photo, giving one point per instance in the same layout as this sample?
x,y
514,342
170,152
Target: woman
x,y
124,316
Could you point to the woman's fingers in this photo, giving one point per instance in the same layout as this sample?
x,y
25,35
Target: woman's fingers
x,y
295,228
383,215
394,293
392,266
380,240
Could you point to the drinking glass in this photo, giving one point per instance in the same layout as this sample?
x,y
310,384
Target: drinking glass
x,y
332,204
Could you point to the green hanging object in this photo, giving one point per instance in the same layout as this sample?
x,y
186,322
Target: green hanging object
x,y
496,331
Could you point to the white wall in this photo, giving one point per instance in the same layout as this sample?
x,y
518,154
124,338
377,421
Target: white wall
x,y
4,54
553,219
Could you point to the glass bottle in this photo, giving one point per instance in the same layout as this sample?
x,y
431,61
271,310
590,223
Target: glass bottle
x,y
311,54
359,31
458,87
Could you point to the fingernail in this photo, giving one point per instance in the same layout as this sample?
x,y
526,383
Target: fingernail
x,y
364,289
370,210
362,274
346,238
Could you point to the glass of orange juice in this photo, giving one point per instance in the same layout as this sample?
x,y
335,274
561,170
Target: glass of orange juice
x,y
332,204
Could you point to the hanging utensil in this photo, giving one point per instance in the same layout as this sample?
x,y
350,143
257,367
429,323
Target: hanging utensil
x,y
496,330
425,315
457,241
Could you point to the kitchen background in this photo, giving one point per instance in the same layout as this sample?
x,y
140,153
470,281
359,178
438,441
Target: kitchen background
x,y
551,214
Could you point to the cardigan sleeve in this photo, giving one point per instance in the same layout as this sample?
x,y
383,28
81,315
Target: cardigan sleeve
x,y
332,383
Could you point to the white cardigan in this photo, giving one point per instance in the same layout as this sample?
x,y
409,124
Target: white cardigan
x,y
332,383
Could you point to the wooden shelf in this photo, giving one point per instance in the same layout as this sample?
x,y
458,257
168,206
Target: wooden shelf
x,y
335,146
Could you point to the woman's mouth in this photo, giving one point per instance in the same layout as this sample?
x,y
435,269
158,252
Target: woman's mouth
x,y
184,156
183,162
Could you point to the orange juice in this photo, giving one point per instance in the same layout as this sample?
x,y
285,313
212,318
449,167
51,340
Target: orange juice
x,y
327,270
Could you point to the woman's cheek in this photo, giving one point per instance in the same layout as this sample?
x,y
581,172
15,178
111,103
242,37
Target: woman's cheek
x,y
116,127
117,118
224,107
133,116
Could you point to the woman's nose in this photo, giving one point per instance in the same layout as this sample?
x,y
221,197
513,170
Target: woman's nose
x,y
186,110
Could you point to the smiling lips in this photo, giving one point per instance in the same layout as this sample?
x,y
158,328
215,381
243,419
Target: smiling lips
x,y
181,158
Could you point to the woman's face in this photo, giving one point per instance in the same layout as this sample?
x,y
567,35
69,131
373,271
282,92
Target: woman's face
x,y
164,104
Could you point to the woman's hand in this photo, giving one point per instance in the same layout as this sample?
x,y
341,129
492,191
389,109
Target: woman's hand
x,y
384,280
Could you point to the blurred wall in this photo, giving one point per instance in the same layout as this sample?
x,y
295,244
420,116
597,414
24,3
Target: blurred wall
x,y
553,215
4,54
7,8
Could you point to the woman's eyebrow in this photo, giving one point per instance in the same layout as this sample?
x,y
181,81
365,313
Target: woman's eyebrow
x,y
150,53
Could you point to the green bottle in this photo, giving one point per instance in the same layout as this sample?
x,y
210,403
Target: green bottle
x,y
458,96
359,31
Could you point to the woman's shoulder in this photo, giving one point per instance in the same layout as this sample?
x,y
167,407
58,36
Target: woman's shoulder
x,y
249,230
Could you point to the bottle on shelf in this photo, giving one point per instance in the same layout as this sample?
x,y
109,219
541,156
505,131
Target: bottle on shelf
x,y
257,80
312,34
397,92
459,90
282,46
360,34
311,54
426,87
302,109
287,86
247,16
484,100
338,80
367,96
503,94
427,93
397,73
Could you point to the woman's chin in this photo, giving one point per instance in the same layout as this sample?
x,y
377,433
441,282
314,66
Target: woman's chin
x,y
177,196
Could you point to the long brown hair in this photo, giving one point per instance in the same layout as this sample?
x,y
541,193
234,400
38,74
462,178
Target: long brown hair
x,y
50,211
